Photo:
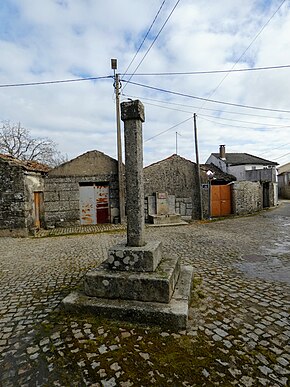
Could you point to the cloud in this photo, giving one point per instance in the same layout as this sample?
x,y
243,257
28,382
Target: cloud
x,y
64,39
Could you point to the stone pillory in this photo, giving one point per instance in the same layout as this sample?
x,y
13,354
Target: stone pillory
x,y
136,282
132,113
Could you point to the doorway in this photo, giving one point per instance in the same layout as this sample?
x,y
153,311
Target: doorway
x,y
94,203
221,203
38,209
266,195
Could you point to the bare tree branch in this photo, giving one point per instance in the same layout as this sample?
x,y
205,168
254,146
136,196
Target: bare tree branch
x,y
17,141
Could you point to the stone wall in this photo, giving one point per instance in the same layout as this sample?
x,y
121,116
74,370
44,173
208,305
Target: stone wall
x,y
17,188
62,198
182,206
176,176
285,192
247,197
12,198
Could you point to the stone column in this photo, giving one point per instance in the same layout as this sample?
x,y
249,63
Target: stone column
x,y
132,113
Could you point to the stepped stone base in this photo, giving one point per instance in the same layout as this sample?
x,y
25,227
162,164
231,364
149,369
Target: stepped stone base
x,y
172,315
165,219
157,286
124,258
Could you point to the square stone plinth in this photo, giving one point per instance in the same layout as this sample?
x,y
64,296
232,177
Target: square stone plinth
x,y
157,286
125,258
172,315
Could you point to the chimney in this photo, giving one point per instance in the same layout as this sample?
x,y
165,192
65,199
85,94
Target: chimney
x,y
223,152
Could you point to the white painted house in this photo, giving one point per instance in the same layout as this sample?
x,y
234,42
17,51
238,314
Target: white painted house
x,y
244,166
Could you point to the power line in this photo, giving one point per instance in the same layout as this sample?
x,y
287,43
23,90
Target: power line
x,y
206,99
233,126
145,37
245,122
279,147
213,71
195,107
54,82
243,53
146,74
167,130
286,154
154,40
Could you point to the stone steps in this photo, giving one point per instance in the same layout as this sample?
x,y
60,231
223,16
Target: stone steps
x,y
155,286
172,315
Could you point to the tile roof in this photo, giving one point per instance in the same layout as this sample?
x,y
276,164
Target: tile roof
x,y
28,165
244,158
219,175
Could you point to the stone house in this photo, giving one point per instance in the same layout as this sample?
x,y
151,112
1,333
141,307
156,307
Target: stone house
x,y
177,177
82,191
284,181
21,196
249,168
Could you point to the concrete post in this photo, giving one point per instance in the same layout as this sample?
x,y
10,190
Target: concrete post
x,y
132,113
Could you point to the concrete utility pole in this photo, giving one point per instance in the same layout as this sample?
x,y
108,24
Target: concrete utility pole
x,y
119,143
199,191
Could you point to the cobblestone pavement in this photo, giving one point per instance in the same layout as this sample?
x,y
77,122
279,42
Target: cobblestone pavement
x,y
238,330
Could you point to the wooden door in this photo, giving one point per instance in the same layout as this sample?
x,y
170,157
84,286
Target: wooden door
x,y
38,209
221,204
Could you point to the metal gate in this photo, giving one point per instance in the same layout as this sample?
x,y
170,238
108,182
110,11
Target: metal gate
x,y
94,203
221,204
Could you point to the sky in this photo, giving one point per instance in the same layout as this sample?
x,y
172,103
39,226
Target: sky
x,y
49,40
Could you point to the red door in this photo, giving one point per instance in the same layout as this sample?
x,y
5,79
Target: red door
x,y
102,203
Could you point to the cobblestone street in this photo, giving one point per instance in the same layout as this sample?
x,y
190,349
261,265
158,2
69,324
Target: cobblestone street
x,y
238,330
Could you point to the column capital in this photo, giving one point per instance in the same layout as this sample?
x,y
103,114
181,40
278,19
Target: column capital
x,y
132,110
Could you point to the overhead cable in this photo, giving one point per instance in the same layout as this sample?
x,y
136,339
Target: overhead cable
x,y
54,82
208,109
154,40
279,147
237,126
167,130
243,53
145,37
213,71
286,154
207,99
245,122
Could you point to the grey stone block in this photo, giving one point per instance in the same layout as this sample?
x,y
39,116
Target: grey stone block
x,y
157,286
172,315
165,219
126,258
